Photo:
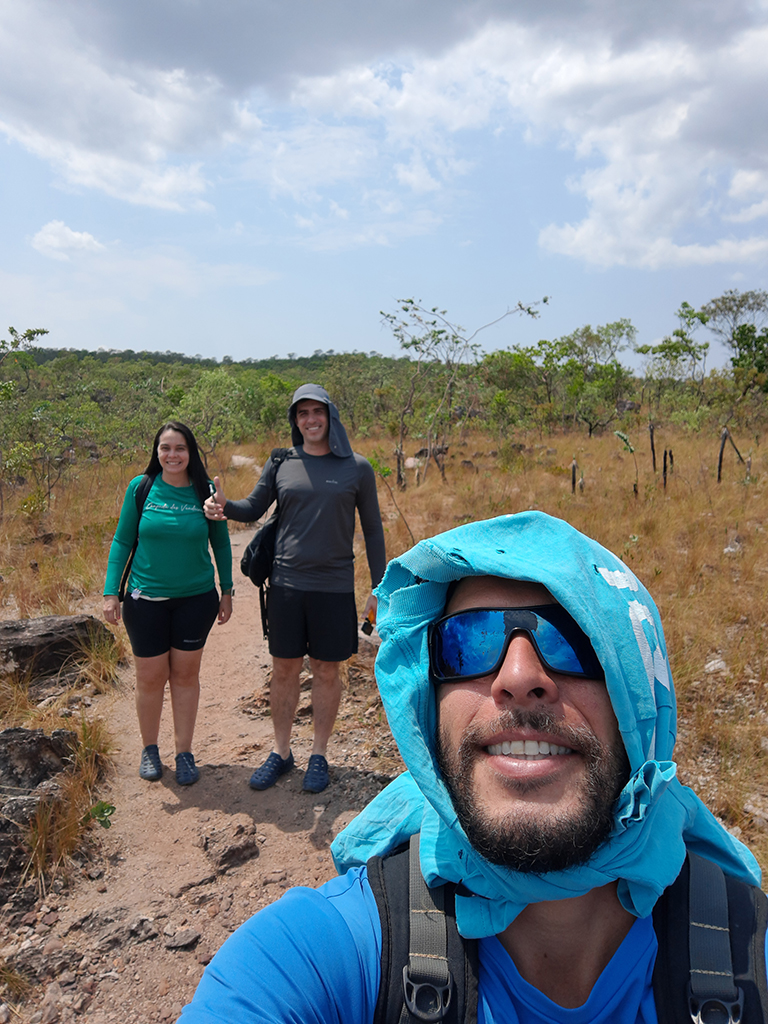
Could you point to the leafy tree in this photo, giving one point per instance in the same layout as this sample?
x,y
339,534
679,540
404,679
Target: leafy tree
x,y
266,399
524,382
438,349
594,347
13,351
733,310
751,350
362,386
597,394
678,360
19,342
214,409
576,376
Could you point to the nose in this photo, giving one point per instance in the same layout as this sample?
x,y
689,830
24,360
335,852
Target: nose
x,y
522,678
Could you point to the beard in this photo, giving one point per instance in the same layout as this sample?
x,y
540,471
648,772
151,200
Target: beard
x,y
526,838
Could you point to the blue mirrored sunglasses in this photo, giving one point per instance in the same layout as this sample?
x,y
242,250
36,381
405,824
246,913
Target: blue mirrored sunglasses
x,y
473,643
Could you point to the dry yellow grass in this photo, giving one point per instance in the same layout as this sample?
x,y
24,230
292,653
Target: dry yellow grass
x,y
699,546
62,821
712,600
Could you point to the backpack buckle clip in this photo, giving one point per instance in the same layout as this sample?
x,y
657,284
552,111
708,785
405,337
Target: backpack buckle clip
x,y
714,1010
426,1000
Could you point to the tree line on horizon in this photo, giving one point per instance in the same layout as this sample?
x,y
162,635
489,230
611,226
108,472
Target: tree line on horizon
x,y
61,406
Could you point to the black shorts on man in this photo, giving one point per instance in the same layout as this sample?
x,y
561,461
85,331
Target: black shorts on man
x,y
320,624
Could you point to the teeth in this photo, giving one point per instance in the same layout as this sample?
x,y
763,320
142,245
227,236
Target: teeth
x,y
526,748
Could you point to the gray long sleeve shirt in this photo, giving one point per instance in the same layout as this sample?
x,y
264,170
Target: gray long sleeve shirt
x,y
317,497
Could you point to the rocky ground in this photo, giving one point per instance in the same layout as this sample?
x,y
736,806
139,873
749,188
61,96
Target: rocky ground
x,y
126,937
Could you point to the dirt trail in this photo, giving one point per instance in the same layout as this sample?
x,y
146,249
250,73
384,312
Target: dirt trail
x,y
181,868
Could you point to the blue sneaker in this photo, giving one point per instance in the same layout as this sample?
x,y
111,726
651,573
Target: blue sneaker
x,y
187,772
316,775
268,774
151,767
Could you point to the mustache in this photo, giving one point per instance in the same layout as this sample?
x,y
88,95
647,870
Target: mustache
x,y
579,738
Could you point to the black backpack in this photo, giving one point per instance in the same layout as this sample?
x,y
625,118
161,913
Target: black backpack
x,y
258,558
710,967
141,496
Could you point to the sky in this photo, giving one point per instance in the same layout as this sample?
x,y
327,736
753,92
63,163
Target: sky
x,y
260,177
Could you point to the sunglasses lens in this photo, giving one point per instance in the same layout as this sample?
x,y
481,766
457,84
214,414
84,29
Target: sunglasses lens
x,y
472,643
467,644
556,651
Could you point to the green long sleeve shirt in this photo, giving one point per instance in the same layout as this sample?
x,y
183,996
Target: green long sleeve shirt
x,y
172,559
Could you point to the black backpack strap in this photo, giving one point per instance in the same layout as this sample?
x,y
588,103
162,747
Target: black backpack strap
x,y
710,965
142,492
427,981
428,972
748,917
712,988
263,595
140,496
279,455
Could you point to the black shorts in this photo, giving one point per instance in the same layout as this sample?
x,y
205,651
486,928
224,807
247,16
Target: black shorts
x,y
313,622
180,622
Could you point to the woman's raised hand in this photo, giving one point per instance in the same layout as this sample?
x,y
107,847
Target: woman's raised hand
x,y
214,506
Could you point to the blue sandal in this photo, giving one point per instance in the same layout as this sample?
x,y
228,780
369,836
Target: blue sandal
x,y
151,767
316,776
187,772
268,774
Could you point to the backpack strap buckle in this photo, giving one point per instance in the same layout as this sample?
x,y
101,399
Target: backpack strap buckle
x,y
713,995
426,1000
427,980
713,1010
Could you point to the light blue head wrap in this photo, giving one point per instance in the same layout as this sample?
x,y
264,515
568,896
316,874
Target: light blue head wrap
x,y
656,818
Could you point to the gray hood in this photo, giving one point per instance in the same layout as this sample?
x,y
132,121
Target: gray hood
x,y
337,435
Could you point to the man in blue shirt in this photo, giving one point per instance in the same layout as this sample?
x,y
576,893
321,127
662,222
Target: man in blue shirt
x,y
525,677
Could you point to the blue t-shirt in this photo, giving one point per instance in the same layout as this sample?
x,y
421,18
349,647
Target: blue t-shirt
x,y
313,958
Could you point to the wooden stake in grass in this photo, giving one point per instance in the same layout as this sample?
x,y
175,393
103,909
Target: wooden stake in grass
x,y
725,436
723,439
653,446
629,447
664,471
573,476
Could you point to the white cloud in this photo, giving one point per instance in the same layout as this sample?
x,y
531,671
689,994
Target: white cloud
x,y
661,119
339,211
139,275
328,235
299,161
125,130
416,176
56,240
746,186
640,115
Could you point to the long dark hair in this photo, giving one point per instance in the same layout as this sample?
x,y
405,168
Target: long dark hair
x,y
196,469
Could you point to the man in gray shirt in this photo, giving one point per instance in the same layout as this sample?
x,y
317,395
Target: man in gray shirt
x,y
311,603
